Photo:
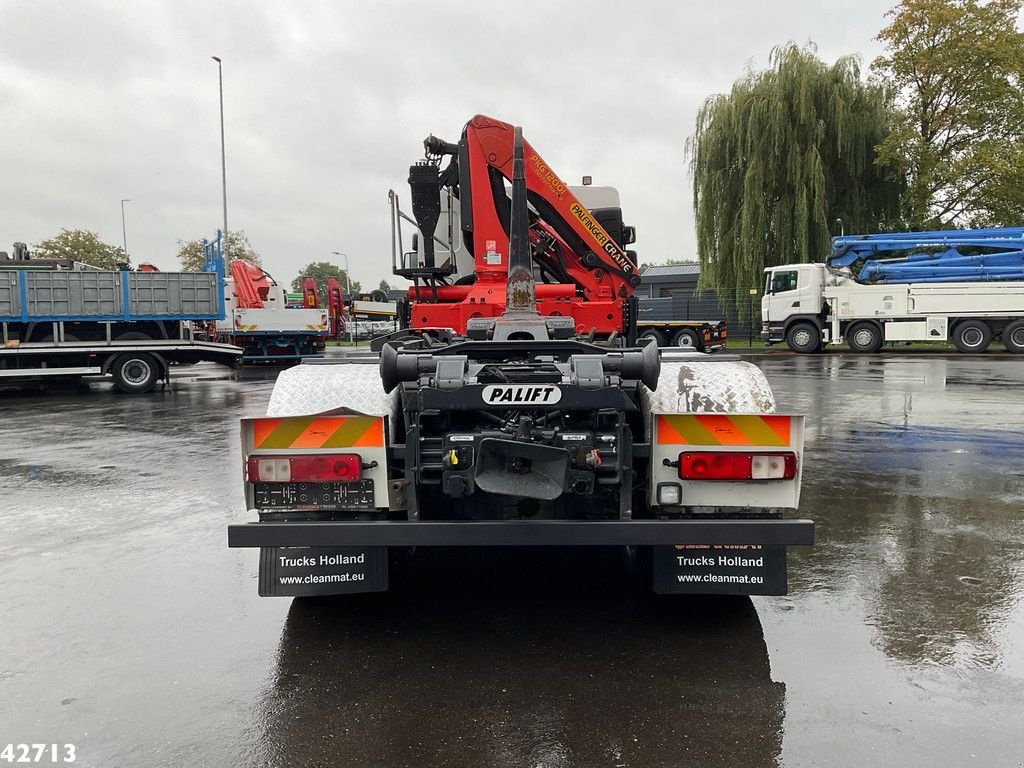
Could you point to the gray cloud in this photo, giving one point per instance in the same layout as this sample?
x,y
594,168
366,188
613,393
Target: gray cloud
x,y
327,104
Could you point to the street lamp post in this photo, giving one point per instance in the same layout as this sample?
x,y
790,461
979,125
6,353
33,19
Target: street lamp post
x,y
223,160
348,291
124,230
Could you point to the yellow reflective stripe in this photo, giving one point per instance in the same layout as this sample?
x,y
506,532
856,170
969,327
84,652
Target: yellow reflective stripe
x,y
720,429
314,432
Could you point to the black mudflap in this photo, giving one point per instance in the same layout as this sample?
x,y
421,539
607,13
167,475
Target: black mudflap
x,y
697,569
305,571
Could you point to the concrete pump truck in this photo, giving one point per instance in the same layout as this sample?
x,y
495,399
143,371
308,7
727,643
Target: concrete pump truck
x,y
517,410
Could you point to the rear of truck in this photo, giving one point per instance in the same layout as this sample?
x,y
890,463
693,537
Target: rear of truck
x,y
518,430
510,444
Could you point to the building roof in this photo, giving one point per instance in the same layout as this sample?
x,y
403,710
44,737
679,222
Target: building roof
x,y
671,271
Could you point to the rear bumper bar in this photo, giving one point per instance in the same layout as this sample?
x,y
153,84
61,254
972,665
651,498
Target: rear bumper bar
x,y
521,533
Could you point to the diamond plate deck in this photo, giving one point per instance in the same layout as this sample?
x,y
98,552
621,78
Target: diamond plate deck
x,y
709,387
306,390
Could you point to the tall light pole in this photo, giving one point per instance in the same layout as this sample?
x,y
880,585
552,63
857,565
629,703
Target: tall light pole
x,y
348,277
223,161
348,290
124,230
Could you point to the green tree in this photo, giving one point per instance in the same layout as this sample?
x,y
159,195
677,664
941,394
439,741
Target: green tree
x,y
956,68
81,245
190,253
779,158
320,271
383,286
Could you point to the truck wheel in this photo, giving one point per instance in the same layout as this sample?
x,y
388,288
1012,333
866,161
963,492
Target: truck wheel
x,y
1013,337
652,334
864,337
972,336
48,338
686,338
803,338
135,372
133,336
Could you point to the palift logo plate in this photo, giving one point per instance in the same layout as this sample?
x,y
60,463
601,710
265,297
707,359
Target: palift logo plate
x,y
319,432
521,394
717,429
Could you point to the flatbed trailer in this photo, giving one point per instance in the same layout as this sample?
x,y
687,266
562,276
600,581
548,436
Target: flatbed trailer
x,y
133,366
658,319
276,335
701,335
73,321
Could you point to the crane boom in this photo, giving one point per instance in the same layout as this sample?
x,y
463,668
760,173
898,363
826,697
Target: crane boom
x,y
585,271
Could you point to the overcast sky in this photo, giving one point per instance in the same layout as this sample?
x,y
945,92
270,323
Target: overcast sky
x,y
327,104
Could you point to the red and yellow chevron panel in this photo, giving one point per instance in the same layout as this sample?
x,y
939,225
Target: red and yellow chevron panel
x,y
719,429
319,432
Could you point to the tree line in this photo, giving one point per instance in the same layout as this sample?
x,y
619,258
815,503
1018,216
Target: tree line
x,y
804,150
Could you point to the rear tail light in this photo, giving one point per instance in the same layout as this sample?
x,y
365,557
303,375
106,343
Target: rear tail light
x,y
737,466
321,468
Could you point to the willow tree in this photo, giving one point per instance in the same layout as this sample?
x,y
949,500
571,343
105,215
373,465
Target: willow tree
x,y
780,158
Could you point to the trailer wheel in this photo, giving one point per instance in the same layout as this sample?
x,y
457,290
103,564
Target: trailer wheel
x,y
803,338
652,334
135,372
864,337
686,338
972,336
48,338
133,336
1013,337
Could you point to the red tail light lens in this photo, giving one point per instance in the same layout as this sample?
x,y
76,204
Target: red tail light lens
x,y
737,466
321,468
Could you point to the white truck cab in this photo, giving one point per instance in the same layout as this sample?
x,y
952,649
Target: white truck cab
x,y
808,306
793,306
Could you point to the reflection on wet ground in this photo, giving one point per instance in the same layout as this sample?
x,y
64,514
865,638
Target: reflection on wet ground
x,y
131,631
538,658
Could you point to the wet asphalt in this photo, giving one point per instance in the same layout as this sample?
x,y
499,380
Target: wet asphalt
x,y
131,631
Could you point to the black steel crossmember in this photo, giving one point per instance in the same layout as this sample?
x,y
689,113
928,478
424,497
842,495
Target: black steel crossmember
x,y
520,533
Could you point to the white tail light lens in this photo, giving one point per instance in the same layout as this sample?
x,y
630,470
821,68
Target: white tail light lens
x,y
669,494
274,470
770,467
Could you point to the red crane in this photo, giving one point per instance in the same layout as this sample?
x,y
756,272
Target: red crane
x,y
585,271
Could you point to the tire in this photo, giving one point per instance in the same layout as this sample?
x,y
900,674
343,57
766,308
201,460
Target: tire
x,y
972,336
686,334
864,337
659,339
133,336
48,338
1013,337
135,372
803,338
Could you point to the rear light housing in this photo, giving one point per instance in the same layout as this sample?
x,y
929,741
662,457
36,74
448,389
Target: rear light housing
x,y
669,494
319,468
729,465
